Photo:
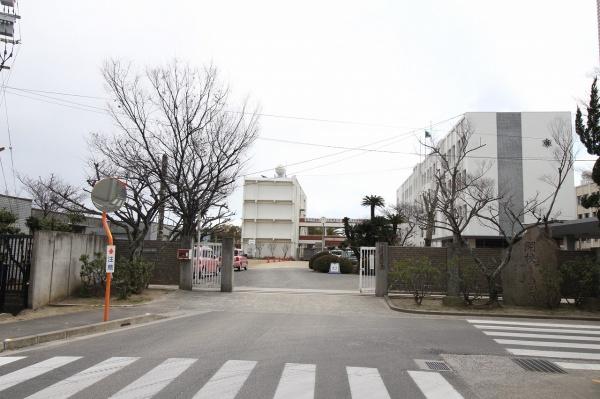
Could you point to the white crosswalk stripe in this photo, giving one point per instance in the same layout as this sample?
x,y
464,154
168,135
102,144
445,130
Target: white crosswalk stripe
x,y
295,381
434,385
155,380
35,370
366,383
70,386
558,341
228,381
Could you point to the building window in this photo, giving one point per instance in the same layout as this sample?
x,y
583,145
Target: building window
x,y
579,200
579,216
587,215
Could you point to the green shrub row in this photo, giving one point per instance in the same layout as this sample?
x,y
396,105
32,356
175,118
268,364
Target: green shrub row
x,y
130,276
312,259
322,263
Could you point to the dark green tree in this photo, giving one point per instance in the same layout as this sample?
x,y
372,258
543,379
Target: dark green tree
x,y
373,201
589,134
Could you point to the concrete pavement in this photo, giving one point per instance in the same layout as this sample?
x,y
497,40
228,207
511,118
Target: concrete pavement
x,y
300,345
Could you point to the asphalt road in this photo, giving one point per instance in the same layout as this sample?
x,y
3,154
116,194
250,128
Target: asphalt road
x,y
298,276
290,345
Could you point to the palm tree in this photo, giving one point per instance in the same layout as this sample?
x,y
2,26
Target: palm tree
x,y
374,201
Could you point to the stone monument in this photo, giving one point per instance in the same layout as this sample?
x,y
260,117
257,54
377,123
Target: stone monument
x,y
530,277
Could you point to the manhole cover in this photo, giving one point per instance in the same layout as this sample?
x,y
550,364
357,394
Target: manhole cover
x,y
432,365
539,365
437,366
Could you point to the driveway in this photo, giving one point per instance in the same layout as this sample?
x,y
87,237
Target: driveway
x,y
293,275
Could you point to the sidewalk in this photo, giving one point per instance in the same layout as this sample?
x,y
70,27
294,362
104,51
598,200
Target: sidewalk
x,y
87,315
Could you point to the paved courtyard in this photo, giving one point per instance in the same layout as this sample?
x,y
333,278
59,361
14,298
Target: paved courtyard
x,y
293,275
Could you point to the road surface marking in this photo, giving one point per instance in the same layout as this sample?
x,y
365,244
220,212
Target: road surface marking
x,y
533,329
433,385
578,366
155,380
554,354
297,382
227,381
366,383
547,344
541,336
78,382
37,369
526,323
9,359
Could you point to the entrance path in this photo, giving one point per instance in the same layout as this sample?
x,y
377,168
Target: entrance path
x,y
293,275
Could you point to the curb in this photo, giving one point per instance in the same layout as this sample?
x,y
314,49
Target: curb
x,y
29,340
506,315
72,305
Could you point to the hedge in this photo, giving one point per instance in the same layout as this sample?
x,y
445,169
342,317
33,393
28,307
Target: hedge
x,y
314,257
322,263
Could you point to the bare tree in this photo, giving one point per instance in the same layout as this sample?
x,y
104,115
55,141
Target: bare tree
x,y
184,113
48,193
461,196
426,217
272,248
536,211
404,220
284,249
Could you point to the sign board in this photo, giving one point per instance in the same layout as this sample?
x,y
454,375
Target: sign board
x,y
183,254
109,194
372,262
334,268
251,242
110,258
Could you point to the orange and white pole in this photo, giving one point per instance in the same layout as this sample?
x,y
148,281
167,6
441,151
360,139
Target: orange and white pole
x,y
108,274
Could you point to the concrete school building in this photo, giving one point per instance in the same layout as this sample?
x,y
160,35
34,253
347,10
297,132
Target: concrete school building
x,y
271,215
512,144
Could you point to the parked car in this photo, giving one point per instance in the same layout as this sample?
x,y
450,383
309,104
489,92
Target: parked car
x,y
336,252
349,254
240,259
208,263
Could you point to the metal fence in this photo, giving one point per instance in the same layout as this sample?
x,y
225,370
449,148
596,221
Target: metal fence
x,y
207,261
15,267
366,278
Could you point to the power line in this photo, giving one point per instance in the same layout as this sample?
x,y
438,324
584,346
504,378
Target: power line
x,y
267,115
409,153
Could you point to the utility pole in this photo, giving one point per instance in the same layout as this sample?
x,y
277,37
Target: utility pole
x,y
8,20
598,17
161,196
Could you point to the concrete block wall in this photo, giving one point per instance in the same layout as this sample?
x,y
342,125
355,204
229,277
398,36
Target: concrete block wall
x,y
164,256
55,264
439,259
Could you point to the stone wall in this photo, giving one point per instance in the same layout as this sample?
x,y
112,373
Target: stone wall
x,y
55,264
164,256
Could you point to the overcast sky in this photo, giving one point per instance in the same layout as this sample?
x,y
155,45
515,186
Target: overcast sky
x,y
400,63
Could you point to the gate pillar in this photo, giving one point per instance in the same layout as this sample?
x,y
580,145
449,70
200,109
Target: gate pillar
x,y
381,269
227,265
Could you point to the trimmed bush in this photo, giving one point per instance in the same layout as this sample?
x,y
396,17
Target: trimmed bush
x,y
130,277
580,280
418,275
314,257
322,263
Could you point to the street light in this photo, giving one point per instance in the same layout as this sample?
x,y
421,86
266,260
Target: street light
x,y
323,219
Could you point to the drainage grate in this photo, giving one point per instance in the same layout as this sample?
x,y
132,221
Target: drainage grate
x,y
437,366
539,365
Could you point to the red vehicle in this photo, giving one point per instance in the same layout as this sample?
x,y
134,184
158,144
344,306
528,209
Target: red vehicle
x,y
208,263
240,260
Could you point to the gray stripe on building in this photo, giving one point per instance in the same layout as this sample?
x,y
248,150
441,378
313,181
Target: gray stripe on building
x,y
510,164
